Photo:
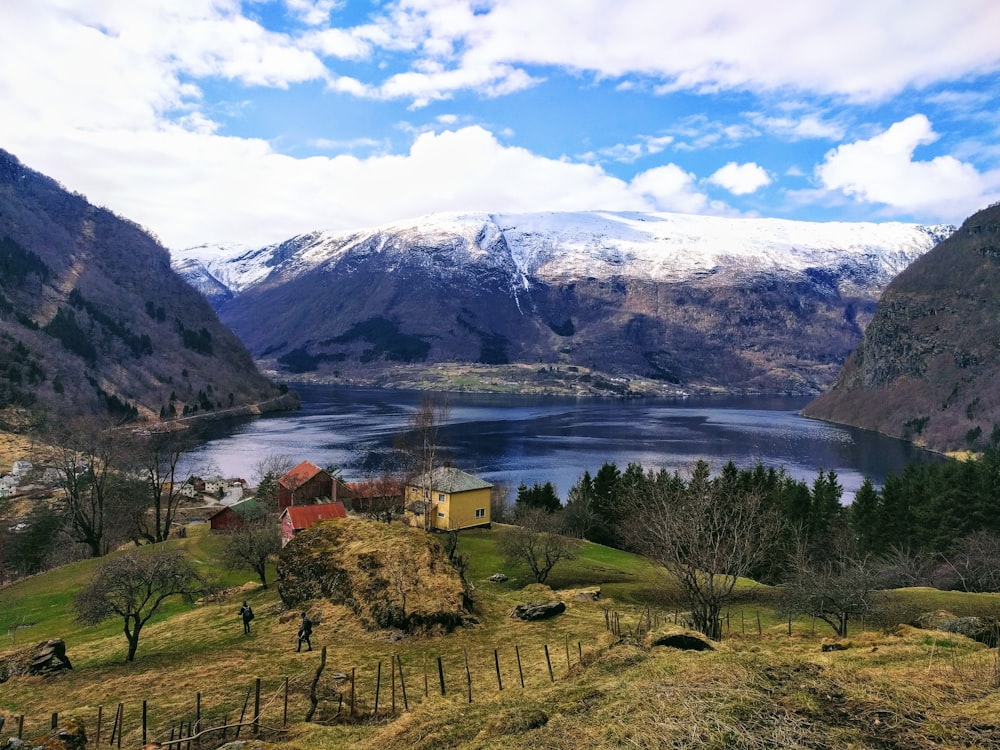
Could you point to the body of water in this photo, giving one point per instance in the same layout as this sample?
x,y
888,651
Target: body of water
x,y
513,439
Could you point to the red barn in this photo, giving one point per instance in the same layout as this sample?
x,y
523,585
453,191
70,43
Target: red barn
x,y
295,518
235,515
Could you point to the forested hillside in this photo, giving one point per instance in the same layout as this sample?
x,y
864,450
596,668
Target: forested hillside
x,y
93,319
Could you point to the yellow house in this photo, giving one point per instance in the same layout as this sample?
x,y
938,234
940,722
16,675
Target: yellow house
x,y
448,499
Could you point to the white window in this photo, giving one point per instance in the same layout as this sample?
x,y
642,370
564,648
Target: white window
x,y
480,512
440,497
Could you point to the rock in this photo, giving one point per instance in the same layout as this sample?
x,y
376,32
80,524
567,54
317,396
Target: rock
x,y
588,596
538,610
834,647
979,629
44,659
497,578
684,642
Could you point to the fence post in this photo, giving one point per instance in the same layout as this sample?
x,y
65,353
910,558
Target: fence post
x,y
567,654
378,687
496,660
55,719
97,734
402,683
759,631
353,671
520,674
197,715
284,716
441,674
243,713
256,707
468,674
548,661
20,726
392,675
144,725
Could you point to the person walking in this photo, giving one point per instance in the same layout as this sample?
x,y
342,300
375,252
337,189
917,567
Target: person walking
x,y
305,630
246,612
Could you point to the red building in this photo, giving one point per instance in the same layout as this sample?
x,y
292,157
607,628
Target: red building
x,y
306,484
235,515
295,518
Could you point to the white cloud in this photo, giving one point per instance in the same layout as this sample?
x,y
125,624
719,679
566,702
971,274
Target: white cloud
x,y
203,188
799,127
882,170
312,12
708,46
741,179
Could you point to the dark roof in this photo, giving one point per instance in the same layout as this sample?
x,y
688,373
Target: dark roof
x,y
449,479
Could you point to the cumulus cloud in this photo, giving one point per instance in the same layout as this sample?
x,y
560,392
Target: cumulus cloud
x,y
709,46
741,179
883,170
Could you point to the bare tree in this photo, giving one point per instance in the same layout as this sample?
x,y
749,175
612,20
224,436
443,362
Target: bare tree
x,y
420,449
251,546
379,498
842,586
156,457
538,543
707,534
133,586
88,460
267,471
972,563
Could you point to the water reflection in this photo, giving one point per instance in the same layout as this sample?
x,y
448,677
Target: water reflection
x,y
513,439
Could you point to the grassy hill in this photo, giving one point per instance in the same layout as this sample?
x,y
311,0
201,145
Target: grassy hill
x,y
903,688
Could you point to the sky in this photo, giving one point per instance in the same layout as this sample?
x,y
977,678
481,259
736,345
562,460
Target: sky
x,y
212,121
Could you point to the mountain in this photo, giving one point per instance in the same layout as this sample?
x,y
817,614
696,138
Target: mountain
x,y
93,319
698,303
928,367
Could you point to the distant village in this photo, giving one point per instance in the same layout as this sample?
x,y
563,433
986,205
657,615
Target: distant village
x,y
445,499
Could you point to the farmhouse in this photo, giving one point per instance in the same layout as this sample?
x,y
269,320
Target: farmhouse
x,y
306,484
236,515
448,499
295,518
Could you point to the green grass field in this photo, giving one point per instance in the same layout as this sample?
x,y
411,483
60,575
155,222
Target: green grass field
x,y
758,689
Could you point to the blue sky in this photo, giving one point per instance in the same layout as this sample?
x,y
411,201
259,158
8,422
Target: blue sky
x,y
227,121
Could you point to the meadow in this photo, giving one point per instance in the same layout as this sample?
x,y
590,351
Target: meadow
x,y
584,685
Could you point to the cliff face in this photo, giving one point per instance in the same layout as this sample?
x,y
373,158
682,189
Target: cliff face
x,y
698,302
93,319
928,366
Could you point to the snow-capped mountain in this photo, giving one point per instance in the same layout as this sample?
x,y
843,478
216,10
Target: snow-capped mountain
x,y
703,302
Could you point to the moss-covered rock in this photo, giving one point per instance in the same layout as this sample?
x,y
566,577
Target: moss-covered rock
x,y
390,576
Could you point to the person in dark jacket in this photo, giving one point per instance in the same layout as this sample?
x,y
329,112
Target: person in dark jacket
x,y
246,612
305,630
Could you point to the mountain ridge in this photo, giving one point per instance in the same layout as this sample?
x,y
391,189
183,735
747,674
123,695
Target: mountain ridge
x,y
928,366
93,319
701,303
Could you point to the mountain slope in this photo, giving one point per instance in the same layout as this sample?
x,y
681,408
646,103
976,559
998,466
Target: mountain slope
x,y
700,303
92,318
928,367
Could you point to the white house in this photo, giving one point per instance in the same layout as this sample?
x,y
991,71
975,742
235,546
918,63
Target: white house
x,y
20,468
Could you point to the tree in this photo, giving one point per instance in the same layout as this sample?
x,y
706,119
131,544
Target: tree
x,y
580,516
88,460
839,586
267,472
538,543
251,545
379,498
420,450
156,456
707,534
540,496
133,586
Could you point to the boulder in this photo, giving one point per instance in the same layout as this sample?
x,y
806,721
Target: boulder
x,y
497,578
538,610
982,629
44,659
684,642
